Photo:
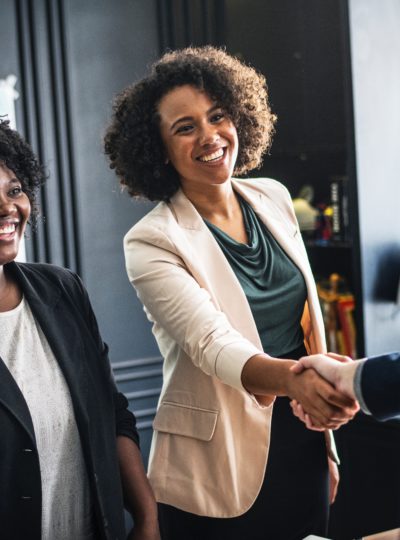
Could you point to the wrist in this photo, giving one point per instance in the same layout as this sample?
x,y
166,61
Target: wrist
x,y
291,379
283,376
345,382
265,375
146,519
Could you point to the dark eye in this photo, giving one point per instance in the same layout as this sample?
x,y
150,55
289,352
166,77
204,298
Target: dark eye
x,y
184,129
15,192
217,117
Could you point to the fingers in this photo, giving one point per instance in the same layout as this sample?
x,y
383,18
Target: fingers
x,y
320,362
338,370
341,407
333,396
310,422
321,401
315,361
325,406
298,410
340,357
314,425
298,367
305,362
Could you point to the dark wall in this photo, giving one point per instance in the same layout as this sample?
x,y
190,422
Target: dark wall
x,y
108,46
297,45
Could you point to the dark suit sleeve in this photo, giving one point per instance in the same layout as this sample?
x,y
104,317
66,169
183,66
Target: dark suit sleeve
x,y
124,418
380,385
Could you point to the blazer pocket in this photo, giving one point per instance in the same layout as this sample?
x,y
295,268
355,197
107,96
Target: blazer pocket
x,y
186,420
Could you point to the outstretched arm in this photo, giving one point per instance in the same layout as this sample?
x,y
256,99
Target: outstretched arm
x,y
266,375
187,312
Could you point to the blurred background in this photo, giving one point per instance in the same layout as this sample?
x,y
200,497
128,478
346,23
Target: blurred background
x,y
333,72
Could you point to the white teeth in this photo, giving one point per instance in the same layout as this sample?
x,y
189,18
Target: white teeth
x,y
210,157
7,229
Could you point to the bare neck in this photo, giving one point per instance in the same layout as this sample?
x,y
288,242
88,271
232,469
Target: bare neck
x,y
219,205
216,202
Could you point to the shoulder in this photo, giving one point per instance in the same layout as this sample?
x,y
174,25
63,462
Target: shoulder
x,y
51,272
264,186
268,188
154,228
267,194
50,276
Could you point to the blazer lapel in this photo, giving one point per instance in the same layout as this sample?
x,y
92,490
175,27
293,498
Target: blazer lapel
x,y
58,325
11,397
210,268
283,231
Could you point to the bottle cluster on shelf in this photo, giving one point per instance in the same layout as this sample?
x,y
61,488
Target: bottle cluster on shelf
x,y
325,223
338,305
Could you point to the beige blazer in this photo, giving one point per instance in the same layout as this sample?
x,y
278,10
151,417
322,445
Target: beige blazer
x,y
211,437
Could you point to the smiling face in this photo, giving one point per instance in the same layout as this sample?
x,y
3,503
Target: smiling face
x,y
14,213
199,139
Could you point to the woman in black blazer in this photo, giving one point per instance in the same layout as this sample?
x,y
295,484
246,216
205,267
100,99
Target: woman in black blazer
x,y
65,428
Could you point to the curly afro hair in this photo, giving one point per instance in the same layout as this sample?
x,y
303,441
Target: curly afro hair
x,y
133,141
18,156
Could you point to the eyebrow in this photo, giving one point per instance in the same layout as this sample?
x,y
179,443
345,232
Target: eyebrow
x,y
14,180
189,118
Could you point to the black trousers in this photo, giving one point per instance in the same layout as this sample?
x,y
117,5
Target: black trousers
x,y
293,501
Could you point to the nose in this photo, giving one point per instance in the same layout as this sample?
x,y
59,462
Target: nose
x,y
7,207
208,135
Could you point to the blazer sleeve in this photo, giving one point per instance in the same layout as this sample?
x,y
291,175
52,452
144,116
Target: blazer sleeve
x,y
124,418
380,385
176,302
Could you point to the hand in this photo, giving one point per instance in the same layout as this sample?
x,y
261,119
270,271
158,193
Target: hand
x,y
335,368
325,406
145,532
310,422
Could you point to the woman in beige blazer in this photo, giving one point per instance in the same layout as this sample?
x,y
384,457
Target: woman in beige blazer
x,y
228,459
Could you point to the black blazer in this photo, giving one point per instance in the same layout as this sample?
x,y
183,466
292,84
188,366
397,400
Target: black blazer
x,y
380,385
61,306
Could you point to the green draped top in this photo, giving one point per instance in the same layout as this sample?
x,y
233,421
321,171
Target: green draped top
x,y
274,286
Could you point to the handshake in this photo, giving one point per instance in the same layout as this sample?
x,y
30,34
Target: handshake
x,y
342,402
373,382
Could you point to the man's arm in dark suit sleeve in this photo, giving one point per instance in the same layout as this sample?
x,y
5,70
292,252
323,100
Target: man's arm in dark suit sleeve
x,y
379,382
